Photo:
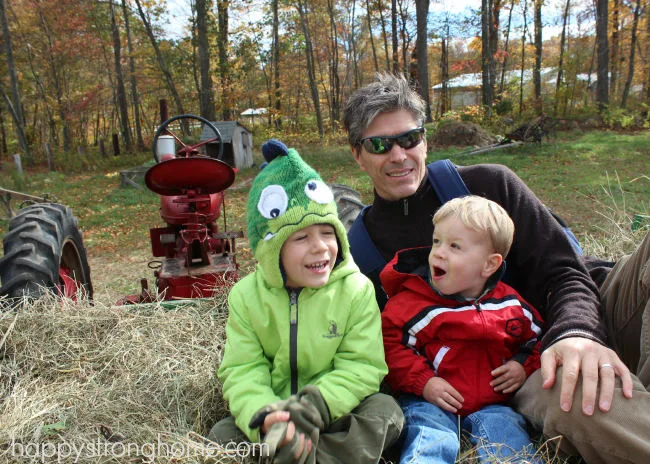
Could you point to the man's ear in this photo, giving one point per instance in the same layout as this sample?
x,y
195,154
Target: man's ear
x,y
492,264
356,152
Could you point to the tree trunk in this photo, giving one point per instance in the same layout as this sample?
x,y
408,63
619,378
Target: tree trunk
x,y
393,14
560,66
57,82
523,59
224,66
615,48
206,93
353,46
630,71
422,12
161,61
335,82
647,73
121,89
444,71
495,11
4,150
372,39
602,66
311,72
132,79
505,48
485,55
276,66
384,33
537,77
16,108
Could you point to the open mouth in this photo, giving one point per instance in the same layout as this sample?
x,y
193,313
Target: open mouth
x,y
438,272
319,266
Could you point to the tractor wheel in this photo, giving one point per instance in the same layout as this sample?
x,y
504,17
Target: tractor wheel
x,y
348,203
43,250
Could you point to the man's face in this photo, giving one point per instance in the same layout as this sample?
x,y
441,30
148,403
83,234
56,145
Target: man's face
x,y
397,173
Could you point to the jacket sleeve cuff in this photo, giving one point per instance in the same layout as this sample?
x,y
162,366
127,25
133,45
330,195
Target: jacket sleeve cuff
x,y
421,381
547,341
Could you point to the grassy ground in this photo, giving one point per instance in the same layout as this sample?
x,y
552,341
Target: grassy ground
x,y
585,177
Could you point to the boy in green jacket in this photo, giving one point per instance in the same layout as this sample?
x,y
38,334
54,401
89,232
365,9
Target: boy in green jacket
x,y
304,355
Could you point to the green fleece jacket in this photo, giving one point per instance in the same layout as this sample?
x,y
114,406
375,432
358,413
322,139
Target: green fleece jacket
x,y
336,343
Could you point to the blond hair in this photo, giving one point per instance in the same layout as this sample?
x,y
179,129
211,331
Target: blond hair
x,y
482,215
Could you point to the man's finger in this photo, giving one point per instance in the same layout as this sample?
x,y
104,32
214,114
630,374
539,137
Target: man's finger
x,y
626,378
570,374
590,376
548,368
607,375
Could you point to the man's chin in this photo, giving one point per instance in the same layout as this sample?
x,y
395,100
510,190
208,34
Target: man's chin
x,y
398,190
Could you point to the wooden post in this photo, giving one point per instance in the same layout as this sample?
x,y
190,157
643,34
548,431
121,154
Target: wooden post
x,y
164,112
50,158
19,165
102,148
116,145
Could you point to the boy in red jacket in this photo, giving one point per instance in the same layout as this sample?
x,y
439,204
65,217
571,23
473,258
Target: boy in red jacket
x,y
458,341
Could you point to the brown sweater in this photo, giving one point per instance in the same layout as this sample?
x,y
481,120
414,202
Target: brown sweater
x,y
542,265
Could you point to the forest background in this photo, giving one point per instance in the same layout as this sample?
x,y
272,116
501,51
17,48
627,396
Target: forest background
x,y
81,74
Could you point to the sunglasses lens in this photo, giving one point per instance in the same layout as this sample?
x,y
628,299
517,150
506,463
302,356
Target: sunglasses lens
x,y
377,145
381,145
410,139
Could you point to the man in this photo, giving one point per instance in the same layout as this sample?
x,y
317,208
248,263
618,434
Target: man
x,y
384,121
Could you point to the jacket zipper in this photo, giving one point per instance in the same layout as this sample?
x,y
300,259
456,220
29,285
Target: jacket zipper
x,y
293,339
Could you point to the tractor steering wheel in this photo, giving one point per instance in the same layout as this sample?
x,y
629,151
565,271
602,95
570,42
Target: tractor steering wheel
x,y
187,150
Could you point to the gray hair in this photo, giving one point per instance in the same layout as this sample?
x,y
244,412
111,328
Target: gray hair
x,y
389,92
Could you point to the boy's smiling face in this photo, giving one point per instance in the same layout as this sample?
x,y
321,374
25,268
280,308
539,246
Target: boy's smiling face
x,y
308,256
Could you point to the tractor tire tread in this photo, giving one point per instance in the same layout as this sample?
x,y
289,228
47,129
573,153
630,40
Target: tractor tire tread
x,y
34,248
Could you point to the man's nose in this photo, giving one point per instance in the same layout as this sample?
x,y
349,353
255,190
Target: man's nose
x,y
396,153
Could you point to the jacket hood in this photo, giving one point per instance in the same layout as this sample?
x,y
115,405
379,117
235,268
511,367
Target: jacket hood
x,y
286,196
409,269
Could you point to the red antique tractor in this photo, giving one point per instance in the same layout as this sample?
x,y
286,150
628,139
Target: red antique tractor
x,y
196,257
43,247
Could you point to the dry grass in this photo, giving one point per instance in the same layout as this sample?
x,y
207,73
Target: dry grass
x,y
614,237
103,380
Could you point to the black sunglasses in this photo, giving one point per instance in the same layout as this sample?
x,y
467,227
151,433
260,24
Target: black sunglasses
x,y
382,144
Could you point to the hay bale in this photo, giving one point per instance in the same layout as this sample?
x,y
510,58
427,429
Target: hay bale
x,y
460,133
114,384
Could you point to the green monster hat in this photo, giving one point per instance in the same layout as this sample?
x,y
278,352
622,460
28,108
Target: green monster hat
x,y
286,196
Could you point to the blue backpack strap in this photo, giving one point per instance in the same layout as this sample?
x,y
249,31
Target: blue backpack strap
x,y
445,180
363,249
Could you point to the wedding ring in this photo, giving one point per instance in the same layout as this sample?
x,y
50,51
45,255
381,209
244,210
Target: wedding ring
x,y
602,366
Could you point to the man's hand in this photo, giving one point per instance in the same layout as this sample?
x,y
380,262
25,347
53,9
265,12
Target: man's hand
x,y
440,392
595,362
508,377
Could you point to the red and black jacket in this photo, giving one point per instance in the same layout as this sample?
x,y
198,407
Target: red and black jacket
x,y
427,334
